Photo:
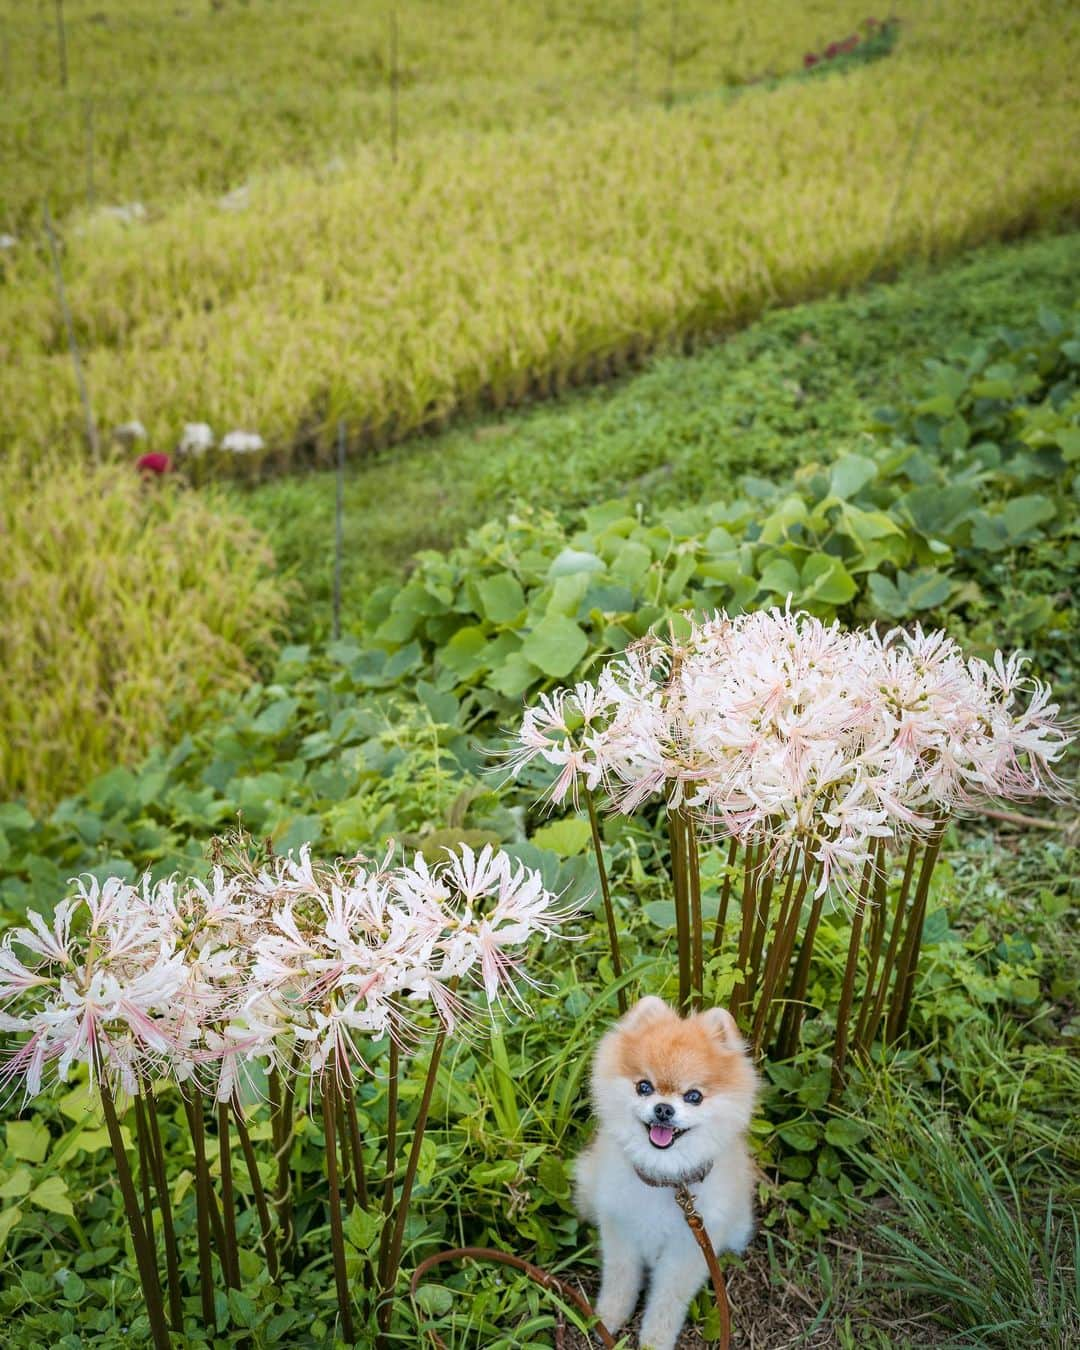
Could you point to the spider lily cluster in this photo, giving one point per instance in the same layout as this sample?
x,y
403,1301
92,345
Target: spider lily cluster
x,y
813,753
287,973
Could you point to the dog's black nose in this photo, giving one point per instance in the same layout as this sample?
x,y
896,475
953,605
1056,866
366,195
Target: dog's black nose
x,y
664,1113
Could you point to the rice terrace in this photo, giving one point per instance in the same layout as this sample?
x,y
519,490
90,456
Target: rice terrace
x,y
538,674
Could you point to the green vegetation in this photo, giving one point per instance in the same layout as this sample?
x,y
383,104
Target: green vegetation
x,y
200,97
491,267
579,192
368,738
125,605
801,386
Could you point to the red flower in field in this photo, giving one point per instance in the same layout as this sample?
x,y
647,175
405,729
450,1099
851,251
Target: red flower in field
x,y
810,59
850,43
872,23
833,49
155,462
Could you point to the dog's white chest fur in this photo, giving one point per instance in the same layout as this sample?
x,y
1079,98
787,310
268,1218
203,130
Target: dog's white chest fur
x,y
610,1191
673,1098
643,1232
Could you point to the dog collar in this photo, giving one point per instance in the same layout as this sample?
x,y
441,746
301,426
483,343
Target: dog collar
x,y
686,1179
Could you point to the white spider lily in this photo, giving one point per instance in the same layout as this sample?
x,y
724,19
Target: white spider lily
x,y
779,730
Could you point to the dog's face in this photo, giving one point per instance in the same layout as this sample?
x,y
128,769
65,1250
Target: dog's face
x,y
675,1092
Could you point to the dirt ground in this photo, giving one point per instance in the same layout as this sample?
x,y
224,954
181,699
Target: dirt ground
x,y
768,1313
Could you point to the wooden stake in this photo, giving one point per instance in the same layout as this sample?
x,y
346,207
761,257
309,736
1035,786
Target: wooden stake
x,y
73,346
61,43
339,530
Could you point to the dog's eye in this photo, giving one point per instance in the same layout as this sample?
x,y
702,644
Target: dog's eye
x,y
694,1097
644,1088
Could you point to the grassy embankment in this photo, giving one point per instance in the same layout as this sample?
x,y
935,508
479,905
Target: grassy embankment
x,y
489,267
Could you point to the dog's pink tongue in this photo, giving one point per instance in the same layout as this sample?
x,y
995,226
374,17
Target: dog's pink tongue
x,y
661,1135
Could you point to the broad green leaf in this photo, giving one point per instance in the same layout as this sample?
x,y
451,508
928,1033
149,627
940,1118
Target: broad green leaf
x,y
92,1140
791,511
886,596
513,676
17,1184
801,1135
52,1194
466,652
1023,514
501,597
8,1219
242,1308
564,837
827,579
780,577
849,474
631,563
925,589
844,1133
555,645
434,1299
28,1139
435,844
863,526
273,720
14,817
571,561
362,1228
551,1173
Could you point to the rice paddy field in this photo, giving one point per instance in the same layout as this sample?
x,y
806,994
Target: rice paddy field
x,y
366,372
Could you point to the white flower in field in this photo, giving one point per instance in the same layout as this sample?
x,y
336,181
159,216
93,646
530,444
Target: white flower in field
x,y
196,439
7,241
127,214
239,199
243,442
778,730
130,432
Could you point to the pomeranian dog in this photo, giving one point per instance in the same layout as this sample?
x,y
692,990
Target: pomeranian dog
x,y
673,1097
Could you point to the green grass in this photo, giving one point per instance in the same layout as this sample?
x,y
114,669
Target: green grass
x,y
200,96
483,268
799,384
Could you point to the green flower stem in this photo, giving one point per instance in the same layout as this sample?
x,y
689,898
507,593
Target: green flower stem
x,y
357,1149
693,860
791,1023
337,1233
725,896
393,1263
877,938
764,902
141,1134
780,938
751,864
144,1255
851,968
391,1160
346,1161
873,1009
265,1224
677,845
909,955
202,1208
605,891
283,1098
168,1228
230,1253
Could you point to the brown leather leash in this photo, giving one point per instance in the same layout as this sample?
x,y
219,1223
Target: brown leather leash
x,y
683,1198
685,1201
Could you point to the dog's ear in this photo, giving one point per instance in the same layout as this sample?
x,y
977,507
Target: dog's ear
x,y
722,1025
647,1009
